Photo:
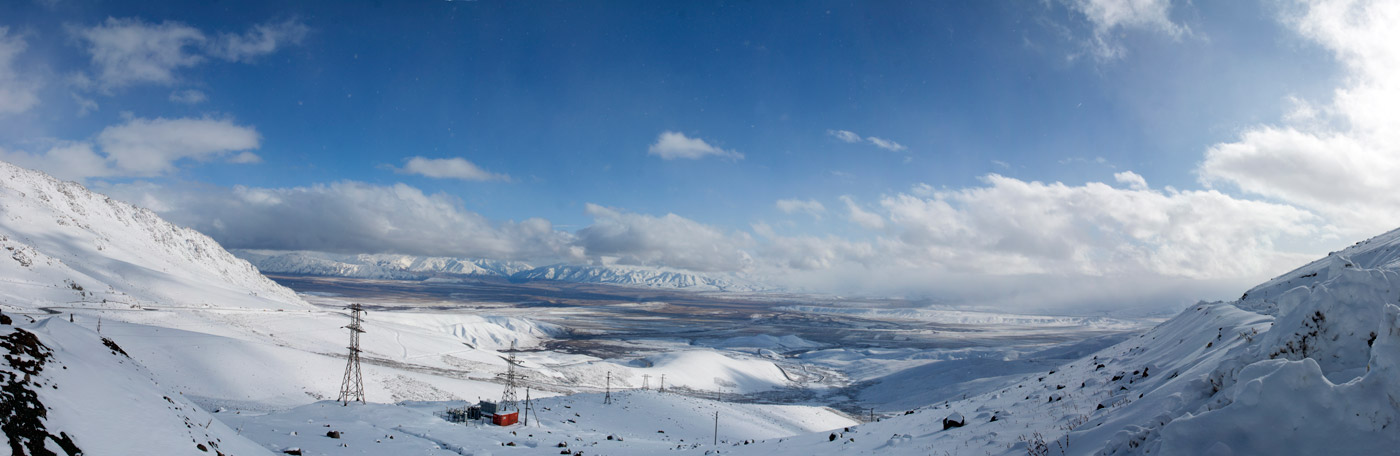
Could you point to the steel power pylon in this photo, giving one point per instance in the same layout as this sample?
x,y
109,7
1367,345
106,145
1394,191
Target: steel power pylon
x,y
607,397
352,387
512,379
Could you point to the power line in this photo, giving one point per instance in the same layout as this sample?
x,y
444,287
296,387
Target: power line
x,y
352,386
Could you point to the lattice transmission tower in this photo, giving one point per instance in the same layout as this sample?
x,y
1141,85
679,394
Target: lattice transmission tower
x,y
512,380
352,387
607,397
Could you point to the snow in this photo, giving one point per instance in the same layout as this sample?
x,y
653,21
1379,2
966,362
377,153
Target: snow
x,y
788,342
490,332
110,405
1307,363
1304,364
710,371
67,246
582,422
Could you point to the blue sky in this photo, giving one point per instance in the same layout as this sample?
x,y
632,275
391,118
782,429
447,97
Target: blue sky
x,y
999,144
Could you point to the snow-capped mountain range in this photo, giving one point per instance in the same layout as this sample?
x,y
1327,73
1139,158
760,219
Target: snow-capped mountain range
x,y
376,266
407,267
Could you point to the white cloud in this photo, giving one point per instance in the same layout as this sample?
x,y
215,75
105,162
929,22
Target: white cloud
x,y
449,168
855,213
85,105
67,160
348,217
844,135
813,208
1132,179
1040,246
144,148
885,144
129,51
1013,226
188,96
18,93
672,145
1339,159
1110,17
848,136
245,158
151,147
669,240
261,40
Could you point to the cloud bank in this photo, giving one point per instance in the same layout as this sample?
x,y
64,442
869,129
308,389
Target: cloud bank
x,y
144,148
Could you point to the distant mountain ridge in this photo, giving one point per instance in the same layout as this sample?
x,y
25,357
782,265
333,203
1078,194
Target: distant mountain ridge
x,y
409,267
376,266
639,276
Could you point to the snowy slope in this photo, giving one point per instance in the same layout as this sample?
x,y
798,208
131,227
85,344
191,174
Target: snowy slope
x,y
66,246
1308,363
480,331
635,423
96,400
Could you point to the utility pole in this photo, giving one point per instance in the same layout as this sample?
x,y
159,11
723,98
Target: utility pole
x,y
607,397
352,386
527,405
716,427
663,384
646,381
872,414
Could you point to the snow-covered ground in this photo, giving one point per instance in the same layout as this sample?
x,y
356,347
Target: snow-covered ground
x,y
636,422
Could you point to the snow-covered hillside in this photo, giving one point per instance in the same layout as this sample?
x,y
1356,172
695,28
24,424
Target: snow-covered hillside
x,y
1308,363
67,246
68,390
635,423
